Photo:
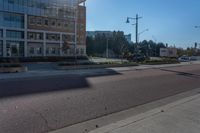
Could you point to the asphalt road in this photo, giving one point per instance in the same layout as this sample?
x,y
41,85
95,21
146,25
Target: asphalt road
x,y
37,105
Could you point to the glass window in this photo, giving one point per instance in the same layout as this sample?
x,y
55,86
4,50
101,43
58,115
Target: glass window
x,y
39,50
14,34
53,37
15,48
46,22
12,20
32,50
32,20
39,21
35,36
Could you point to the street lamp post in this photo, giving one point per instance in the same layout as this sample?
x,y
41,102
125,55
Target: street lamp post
x,y
136,27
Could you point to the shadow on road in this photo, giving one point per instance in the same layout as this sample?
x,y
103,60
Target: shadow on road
x,y
18,87
183,73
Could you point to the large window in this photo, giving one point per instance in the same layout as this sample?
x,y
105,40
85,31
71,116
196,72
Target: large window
x,y
15,34
15,48
50,8
11,20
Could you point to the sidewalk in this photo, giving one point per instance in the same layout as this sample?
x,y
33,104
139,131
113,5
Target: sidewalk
x,y
182,116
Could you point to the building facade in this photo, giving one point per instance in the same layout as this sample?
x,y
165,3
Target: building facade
x,y
168,52
31,28
128,38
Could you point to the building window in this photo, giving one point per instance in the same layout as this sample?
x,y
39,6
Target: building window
x,y
53,23
15,34
35,36
32,50
69,38
53,37
32,20
12,20
39,21
46,22
15,48
39,50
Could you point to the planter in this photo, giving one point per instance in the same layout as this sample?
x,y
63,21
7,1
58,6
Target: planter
x,y
93,66
13,69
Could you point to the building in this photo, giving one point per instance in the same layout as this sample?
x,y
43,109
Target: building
x,y
168,52
31,28
95,33
128,38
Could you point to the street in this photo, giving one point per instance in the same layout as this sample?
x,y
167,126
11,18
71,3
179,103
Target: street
x,y
42,104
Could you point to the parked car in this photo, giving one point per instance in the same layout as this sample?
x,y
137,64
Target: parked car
x,y
193,58
184,58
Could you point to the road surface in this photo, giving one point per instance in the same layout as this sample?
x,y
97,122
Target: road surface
x,y
37,105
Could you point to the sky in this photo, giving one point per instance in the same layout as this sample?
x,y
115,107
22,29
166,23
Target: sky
x,y
168,21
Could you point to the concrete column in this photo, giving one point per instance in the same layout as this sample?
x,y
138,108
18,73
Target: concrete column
x,y
44,44
25,35
4,43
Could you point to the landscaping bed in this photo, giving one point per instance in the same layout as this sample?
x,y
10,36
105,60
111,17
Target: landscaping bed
x,y
42,59
12,68
160,62
91,65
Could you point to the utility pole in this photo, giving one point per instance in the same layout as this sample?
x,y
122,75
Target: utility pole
x,y
137,18
136,27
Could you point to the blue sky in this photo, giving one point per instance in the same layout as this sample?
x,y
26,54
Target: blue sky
x,y
169,21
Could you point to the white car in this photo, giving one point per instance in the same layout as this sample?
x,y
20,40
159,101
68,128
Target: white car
x,y
184,59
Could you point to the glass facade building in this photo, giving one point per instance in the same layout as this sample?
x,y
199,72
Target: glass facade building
x,y
42,27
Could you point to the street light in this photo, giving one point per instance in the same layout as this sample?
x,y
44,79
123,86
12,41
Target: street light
x,y
136,27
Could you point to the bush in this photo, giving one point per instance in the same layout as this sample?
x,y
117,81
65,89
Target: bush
x,y
7,65
163,61
75,63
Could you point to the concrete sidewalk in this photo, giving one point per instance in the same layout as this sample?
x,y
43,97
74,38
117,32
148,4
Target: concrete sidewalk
x,y
182,116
